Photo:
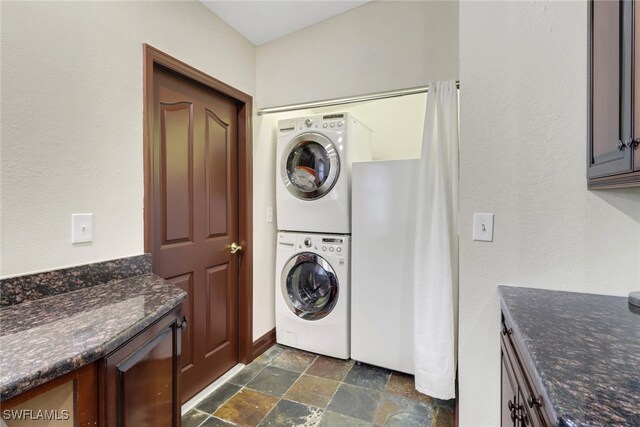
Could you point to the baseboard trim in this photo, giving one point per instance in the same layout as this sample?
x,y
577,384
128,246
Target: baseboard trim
x,y
263,343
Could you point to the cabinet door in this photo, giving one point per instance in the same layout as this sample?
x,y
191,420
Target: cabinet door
x,y
509,393
636,81
142,387
528,412
610,88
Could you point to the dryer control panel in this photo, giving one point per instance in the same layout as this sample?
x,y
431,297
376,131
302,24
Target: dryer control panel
x,y
334,121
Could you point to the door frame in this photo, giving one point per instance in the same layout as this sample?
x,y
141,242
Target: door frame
x,y
154,58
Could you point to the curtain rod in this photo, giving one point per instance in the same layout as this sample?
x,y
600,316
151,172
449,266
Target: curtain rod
x,y
348,100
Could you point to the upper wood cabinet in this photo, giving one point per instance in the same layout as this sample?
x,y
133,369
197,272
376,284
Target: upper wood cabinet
x,y
636,83
613,158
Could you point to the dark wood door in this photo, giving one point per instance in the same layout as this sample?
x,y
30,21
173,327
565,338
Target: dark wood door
x,y
610,92
195,218
142,378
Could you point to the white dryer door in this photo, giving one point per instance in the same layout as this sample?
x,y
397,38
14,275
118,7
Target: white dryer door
x,y
310,166
309,286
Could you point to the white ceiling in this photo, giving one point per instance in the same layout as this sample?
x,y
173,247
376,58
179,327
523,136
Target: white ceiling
x,y
263,21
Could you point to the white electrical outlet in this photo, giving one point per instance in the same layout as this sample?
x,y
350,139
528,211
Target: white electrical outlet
x,y
81,228
483,227
269,214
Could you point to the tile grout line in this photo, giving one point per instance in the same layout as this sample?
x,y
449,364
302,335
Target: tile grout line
x,y
203,421
341,383
305,372
227,400
315,356
381,392
379,397
242,387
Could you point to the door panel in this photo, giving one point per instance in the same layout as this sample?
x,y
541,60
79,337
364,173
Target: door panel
x,y
217,180
176,137
608,100
606,77
217,309
195,217
636,80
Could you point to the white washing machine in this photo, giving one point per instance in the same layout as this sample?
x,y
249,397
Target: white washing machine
x,y
312,293
313,171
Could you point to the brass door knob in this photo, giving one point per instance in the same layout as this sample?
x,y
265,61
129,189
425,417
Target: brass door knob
x,y
235,248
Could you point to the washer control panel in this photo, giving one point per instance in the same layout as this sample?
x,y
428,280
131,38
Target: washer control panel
x,y
329,245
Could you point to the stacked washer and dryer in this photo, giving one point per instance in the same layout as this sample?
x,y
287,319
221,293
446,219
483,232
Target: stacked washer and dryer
x,y
313,200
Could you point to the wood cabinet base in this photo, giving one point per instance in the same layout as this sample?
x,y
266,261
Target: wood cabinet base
x,y
136,385
616,181
140,380
521,402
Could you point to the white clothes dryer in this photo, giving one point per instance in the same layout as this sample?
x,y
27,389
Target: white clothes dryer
x,y
312,293
313,171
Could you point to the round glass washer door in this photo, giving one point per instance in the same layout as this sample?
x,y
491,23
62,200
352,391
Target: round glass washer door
x,y
310,166
309,286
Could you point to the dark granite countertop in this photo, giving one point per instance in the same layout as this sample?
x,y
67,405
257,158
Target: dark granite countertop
x,y
585,350
49,337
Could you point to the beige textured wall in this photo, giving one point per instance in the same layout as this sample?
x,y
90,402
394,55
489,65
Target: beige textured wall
x,y
72,118
383,45
523,72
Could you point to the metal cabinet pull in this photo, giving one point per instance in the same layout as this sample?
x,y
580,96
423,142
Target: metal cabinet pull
x,y
505,330
628,143
534,401
183,324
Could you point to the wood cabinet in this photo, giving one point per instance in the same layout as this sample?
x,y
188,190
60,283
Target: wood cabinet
x,y
521,403
636,85
135,385
140,380
69,400
613,155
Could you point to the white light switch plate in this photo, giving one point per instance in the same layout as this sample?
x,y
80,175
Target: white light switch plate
x,y
269,214
81,228
483,227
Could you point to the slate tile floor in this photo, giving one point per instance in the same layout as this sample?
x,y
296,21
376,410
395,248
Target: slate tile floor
x,y
289,387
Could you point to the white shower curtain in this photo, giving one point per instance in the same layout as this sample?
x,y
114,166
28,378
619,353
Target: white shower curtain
x,y
436,246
